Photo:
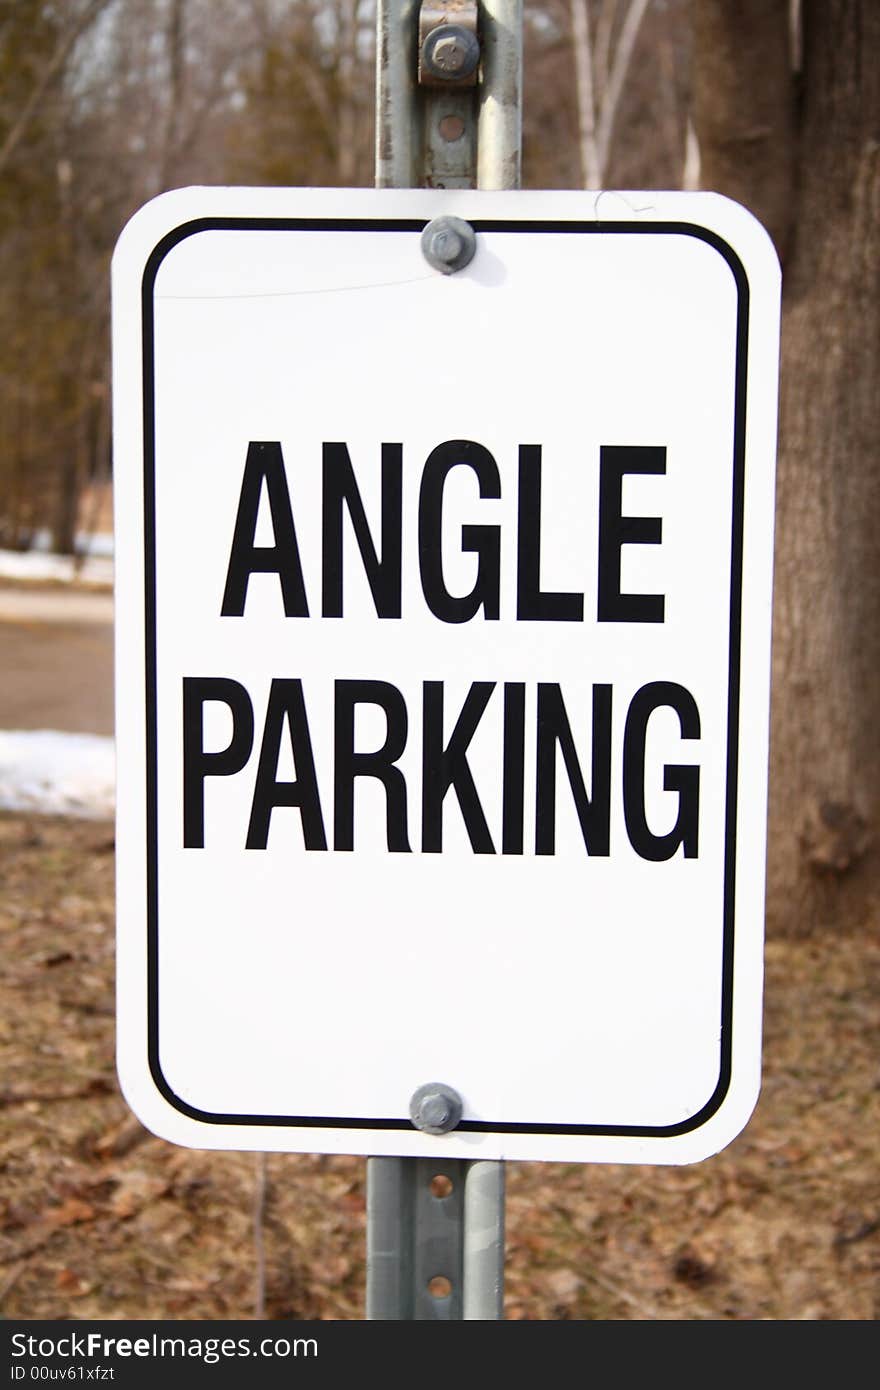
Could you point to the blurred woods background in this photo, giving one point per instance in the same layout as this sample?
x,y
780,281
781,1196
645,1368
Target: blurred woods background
x,y
104,103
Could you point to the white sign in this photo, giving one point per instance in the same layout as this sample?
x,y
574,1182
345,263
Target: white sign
x,y
443,613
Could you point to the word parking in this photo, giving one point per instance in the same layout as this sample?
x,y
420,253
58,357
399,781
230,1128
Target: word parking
x,y
445,729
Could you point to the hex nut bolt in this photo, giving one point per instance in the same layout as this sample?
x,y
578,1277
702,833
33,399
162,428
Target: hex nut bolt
x,y
435,1108
449,244
451,52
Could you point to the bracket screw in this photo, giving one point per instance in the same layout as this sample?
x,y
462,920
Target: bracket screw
x,y
451,52
435,1108
449,244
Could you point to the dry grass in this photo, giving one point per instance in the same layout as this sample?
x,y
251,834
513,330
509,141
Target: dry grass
x,y
98,1219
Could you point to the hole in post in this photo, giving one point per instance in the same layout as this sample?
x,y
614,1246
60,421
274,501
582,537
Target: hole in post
x,y
439,1286
441,1186
451,128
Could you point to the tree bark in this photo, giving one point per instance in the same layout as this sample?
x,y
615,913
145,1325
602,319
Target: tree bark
x,y
824,864
348,113
743,98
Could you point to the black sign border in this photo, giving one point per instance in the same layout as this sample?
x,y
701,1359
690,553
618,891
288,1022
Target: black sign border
x,y
416,225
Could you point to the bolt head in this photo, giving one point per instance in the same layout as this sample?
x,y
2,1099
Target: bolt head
x,y
450,51
435,1108
434,1112
446,245
449,244
449,55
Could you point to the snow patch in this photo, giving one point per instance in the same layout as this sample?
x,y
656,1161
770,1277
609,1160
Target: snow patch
x,y
85,542
57,774
39,566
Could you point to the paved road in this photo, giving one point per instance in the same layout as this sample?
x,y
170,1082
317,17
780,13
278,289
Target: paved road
x,y
56,660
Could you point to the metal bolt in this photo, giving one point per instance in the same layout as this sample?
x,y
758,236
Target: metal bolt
x,y
449,244
435,1108
451,52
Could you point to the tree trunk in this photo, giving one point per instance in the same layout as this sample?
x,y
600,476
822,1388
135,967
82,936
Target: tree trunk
x,y
824,863
348,114
743,97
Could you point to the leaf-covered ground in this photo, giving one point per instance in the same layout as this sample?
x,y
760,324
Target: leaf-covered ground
x,y
98,1219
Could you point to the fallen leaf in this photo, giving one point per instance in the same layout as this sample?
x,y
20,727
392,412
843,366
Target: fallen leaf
x,y
563,1283
121,1138
70,1213
135,1191
692,1268
60,958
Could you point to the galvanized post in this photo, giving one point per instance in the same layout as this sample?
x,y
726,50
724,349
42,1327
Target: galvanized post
x,y
499,138
483,1258
446,117
389,1239
452,130
435,1239
398,113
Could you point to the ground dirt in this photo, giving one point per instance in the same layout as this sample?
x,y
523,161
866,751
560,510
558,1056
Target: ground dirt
x,y
98,1219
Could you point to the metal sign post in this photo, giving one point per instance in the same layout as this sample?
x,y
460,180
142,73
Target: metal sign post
x,y
448,94
448,115
435,1239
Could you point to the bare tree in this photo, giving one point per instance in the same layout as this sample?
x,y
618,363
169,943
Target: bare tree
x,y
307,114
174,44
77,21
602,49
606,93
102,104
